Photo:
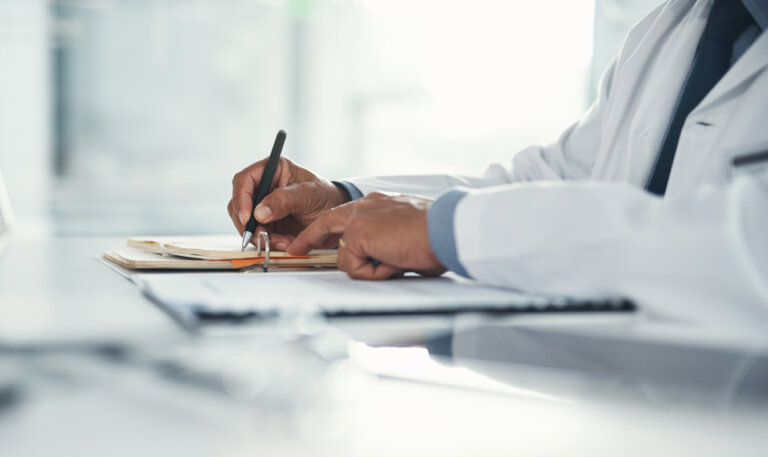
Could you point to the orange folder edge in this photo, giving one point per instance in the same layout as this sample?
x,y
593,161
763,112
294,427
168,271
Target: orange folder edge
x,y
242,263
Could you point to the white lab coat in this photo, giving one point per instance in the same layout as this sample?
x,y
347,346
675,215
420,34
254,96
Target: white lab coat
x,y
574,218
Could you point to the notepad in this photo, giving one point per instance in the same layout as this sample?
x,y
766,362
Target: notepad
x,y
210,252
333,293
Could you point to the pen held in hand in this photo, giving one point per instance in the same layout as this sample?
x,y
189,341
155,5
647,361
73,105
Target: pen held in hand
x,y
266,181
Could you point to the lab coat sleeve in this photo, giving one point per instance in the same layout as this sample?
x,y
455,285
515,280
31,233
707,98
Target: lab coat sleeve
x,y
425,185
700,257
570,158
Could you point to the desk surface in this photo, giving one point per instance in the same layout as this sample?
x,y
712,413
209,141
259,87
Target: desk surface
x,y
58,290
89,367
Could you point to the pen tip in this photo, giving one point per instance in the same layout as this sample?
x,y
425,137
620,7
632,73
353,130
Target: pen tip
x,y
246,239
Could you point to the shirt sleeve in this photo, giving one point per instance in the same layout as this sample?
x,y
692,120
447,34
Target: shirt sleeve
x,y
440,228
352,191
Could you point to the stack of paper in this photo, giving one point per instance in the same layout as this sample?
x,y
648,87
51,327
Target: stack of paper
x,y
210,252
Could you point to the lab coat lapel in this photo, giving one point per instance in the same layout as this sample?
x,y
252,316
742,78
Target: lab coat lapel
x,y
651,79
752,62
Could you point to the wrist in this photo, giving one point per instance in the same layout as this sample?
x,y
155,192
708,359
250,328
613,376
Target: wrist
x,y
340,195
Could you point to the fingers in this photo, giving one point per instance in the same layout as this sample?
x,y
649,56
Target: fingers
x,y
244,185
280,242
352,258
235,219
277,241
281,203
352,255
357,265
331,223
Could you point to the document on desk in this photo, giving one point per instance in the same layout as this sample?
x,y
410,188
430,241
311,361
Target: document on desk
x,y
333,293
209,252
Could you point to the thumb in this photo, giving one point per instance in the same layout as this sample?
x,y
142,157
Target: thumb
x,y
280,203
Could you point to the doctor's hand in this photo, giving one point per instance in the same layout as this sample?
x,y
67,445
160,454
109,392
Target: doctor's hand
x,y
296,198
390,229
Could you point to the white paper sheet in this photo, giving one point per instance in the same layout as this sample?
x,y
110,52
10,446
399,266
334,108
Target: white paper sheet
x,y
335,293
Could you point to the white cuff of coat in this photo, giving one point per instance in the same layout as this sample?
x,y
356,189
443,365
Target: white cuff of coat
x,y
440,228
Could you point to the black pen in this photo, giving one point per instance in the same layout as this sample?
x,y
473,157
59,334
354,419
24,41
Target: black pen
x,y
266,181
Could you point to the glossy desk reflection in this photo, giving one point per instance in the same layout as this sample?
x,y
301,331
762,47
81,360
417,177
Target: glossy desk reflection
x,y
89,367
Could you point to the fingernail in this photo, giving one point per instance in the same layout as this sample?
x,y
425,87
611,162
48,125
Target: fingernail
x,y
280,245
244,216
263,213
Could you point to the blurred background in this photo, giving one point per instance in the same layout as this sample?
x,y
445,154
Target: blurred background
x,y
122,117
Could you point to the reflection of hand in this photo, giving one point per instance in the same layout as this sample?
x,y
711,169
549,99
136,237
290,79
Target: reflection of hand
x,y
390,229
297,196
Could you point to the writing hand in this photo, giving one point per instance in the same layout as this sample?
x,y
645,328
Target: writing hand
x,y
296,198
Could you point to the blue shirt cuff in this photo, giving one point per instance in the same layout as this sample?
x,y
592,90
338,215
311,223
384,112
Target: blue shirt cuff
x,y
351,189
440,229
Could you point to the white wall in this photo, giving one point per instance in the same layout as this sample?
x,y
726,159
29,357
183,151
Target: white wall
x,y
168,99
24,111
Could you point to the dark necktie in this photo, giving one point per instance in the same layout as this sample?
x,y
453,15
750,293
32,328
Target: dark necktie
x,y
726,21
